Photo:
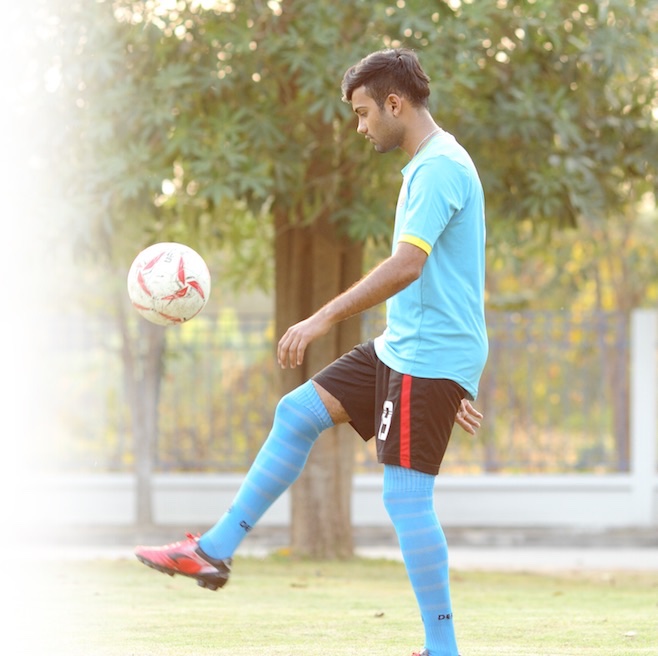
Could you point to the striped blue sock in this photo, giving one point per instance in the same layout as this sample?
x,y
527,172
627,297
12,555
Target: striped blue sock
x,y
409,501
299,419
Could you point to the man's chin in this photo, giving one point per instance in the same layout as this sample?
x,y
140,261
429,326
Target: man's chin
x,y
384,149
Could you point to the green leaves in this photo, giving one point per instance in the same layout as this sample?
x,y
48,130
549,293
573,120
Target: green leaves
x,y
556,103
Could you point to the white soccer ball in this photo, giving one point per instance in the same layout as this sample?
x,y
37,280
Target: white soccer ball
x,y
168,283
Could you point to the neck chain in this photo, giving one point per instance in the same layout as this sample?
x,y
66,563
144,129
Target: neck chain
x,y
425,140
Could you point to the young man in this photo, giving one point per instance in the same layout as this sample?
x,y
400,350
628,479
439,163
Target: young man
x,y
409,385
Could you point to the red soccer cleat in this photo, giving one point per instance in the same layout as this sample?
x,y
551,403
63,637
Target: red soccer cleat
x,y
187,559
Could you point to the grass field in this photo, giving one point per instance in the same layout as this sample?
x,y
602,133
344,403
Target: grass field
x,y
282,607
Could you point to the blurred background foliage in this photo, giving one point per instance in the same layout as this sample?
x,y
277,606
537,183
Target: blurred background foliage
x,y
218,397
190,120
163,119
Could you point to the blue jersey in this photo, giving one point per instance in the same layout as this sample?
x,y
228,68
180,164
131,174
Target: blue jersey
x,y
435,327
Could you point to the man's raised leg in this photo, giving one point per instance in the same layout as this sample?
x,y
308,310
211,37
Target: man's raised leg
x,y
299,419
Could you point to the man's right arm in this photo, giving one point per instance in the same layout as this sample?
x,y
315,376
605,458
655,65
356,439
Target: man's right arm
x,y
392,275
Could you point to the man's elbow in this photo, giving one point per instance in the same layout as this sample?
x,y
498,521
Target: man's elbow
x,y
411,272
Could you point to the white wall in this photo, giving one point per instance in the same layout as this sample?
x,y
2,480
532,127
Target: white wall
x,y
579,502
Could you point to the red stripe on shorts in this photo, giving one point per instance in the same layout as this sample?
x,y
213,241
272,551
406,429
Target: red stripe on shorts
x,y
405,422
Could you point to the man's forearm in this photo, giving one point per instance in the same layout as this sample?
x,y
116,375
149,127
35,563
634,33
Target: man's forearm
x,y
374,288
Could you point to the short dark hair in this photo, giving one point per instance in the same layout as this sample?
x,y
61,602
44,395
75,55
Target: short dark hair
x,y
395,70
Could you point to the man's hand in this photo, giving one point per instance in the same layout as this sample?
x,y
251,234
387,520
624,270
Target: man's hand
x,y
292,346
468,417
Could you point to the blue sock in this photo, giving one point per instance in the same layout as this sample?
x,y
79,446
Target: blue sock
x,y
299,419
409,501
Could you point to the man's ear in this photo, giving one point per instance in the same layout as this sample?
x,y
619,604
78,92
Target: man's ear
x,y
394,104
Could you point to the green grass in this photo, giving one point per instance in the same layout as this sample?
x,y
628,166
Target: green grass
x,y
283,607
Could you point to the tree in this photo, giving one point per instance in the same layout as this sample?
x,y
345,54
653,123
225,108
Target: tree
x,y
199,120
155,95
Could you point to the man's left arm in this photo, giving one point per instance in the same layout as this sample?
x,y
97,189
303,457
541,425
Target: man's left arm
x,y
468,417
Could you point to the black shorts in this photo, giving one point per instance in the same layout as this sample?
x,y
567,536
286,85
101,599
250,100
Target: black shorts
x,y
411,417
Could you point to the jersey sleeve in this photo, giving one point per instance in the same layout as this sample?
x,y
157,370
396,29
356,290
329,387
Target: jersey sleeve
x,y
434,195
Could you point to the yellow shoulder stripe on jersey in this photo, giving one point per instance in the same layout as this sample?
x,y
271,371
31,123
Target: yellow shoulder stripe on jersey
x,y
421,243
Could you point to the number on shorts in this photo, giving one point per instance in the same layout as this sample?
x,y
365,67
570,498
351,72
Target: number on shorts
x,y
387,416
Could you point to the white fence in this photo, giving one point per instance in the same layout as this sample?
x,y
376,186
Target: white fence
x,y
582,501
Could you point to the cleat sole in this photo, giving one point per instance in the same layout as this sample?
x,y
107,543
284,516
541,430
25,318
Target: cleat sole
x,y
212,585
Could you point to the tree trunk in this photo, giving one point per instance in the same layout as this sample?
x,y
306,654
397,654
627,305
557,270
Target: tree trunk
x,y
314,264
142,374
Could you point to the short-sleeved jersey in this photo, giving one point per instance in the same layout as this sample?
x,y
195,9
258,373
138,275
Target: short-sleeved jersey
x,y
435,327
